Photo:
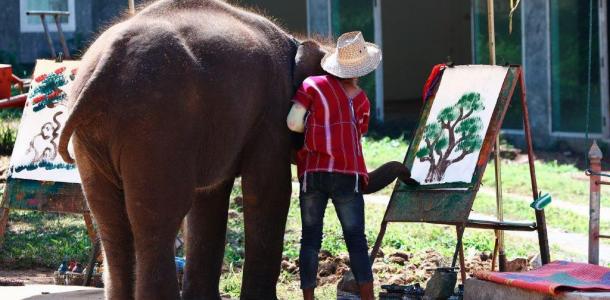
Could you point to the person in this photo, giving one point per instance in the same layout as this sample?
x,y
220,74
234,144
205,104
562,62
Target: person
x,y
333,113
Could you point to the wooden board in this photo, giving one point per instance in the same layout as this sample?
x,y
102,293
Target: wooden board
x,y
43,196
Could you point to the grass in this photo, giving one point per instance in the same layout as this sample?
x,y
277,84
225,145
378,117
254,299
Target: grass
x,y
564,182
9,119
37,239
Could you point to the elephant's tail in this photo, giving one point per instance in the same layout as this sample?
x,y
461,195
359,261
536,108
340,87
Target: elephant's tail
x,y
80,107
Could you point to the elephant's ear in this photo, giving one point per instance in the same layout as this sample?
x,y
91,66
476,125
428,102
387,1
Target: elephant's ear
x,y
307,61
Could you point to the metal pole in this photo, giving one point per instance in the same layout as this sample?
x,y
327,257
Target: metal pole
x,y
491,31
595,157
379,101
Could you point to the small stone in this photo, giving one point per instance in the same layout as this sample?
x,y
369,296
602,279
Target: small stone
x,y
397,260
233,214
517,265
484,256
535,261
288,266
344,258
396,279
324,254
327,268
379,267
348,283
342,269
409,279
401,254
239,201
327,280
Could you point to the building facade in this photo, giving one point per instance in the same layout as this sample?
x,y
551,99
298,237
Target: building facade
x,y
550,39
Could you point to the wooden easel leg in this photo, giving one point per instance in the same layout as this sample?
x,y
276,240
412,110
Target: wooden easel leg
x,y
460,251
4,212
95,252
494,255
540,217
384,225
90,227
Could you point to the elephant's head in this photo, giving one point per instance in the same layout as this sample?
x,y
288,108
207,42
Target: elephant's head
x,y
307,61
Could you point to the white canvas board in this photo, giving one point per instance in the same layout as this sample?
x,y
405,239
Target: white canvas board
x,y
463,89
35,153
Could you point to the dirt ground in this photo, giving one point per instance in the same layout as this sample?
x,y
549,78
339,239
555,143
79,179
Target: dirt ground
x,y
34,276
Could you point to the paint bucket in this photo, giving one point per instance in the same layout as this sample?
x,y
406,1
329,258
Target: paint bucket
x,y
6,74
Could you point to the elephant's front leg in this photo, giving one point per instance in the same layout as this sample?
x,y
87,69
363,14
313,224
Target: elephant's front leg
x,y
207,226
266,188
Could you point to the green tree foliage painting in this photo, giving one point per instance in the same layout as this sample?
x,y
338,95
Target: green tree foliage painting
x,y
454,134
48,93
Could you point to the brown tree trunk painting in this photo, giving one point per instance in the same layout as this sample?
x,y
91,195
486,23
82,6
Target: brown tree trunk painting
x,y
455,130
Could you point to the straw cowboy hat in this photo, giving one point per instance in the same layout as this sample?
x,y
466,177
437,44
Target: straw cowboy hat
x,y
353,57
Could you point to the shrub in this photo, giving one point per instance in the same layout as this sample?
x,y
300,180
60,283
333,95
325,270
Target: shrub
x,y
7,140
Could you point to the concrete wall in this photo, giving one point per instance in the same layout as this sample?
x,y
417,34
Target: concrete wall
x,y
417,35
9,28
536,66
90,16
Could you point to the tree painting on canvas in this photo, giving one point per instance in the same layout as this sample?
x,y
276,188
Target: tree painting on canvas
x,y
457,129
456,125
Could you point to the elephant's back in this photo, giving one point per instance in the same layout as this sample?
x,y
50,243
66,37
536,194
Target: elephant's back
x,y
199,72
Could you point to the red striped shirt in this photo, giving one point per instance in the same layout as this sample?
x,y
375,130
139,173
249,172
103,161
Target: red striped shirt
x,y
333,128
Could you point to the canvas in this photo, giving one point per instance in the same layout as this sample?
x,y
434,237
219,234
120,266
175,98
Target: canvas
x,y
35,155
457,123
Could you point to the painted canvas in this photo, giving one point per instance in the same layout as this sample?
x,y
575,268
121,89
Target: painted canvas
x,y
457,123
35,153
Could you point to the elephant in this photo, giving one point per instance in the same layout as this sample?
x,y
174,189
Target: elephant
x,y
169,106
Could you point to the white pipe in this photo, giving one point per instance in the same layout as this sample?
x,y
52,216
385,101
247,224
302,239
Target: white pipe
x,y
379,97
132,7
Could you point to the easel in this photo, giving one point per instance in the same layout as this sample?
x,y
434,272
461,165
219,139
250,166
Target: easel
x,y
56,16
450,203
46,196
58,197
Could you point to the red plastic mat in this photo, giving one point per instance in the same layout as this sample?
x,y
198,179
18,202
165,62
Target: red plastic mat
x,y
554,278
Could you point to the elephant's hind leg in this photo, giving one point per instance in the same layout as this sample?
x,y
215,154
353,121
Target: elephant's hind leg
x,y
159,190
207,226
266,188
107,205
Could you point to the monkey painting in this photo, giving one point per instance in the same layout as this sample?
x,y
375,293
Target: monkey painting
x,y
44,145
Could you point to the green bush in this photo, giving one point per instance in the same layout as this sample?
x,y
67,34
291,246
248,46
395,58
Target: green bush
x,y
7,140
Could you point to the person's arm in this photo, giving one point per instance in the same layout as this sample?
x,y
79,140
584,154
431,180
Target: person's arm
x,y
296,118
301,102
